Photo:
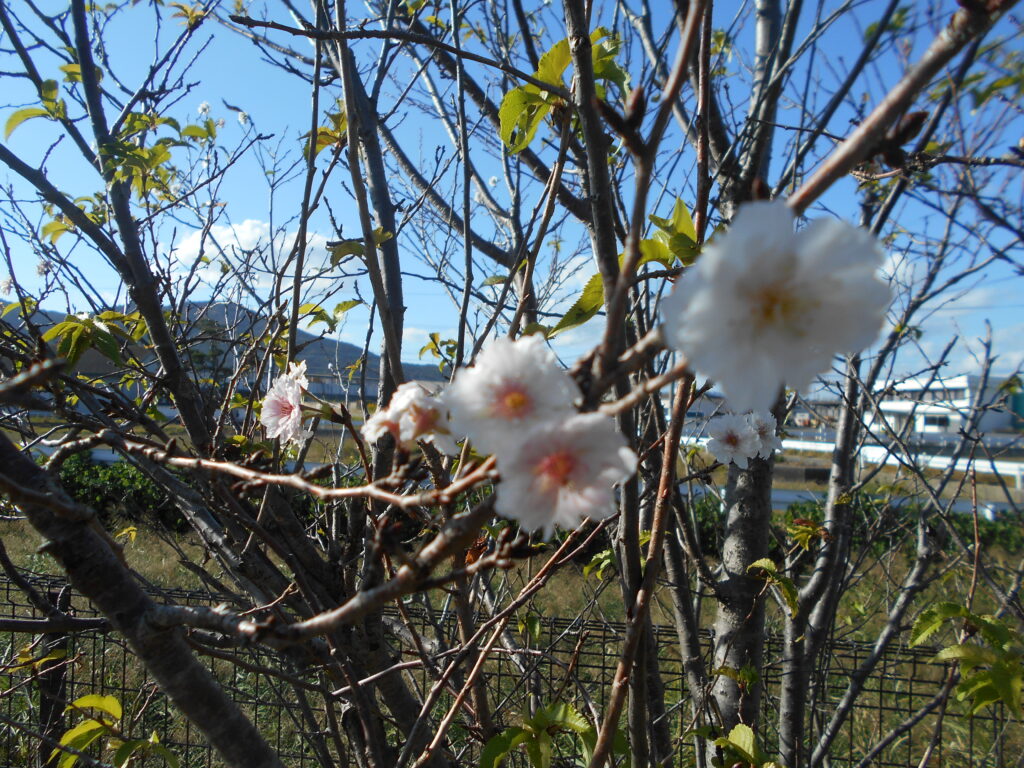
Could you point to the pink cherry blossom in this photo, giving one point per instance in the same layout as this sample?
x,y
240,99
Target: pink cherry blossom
x,y
282,407
514,386
562,472
413,414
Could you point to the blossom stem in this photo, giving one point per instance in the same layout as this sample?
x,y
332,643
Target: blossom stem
x,y
648,387
482,474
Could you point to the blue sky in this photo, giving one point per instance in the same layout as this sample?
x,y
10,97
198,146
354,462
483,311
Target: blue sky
x,y
229,69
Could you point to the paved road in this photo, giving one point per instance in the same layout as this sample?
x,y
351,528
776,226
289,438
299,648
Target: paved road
x,y
782,498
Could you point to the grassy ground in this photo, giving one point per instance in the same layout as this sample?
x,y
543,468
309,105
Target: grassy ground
x,y
568,595
150,555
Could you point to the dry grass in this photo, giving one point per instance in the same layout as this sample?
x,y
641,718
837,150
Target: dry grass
x,y
150,555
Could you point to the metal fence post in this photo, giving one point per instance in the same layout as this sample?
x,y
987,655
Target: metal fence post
x,y
52,683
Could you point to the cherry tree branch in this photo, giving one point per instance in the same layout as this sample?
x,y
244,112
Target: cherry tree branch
x,y
967,24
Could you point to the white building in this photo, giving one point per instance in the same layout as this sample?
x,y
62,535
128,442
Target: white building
x,y
941,406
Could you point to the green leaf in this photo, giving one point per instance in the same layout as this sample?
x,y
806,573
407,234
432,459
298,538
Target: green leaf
x,y
319,315
61,328
804,532
790,595
524,108
530,627
745,676
343,248
588,740
498,747
28,309
539,749
195,132
150,746
105,342
599,563
73,73
1002,682
78,738
192,15
683,248
897,22
742,737
169,757
770,573
586,306
72,345
968,654
560,715
602,54
742,743
137,326
678,233
765,564
533,328
932,618
344,306
48,93
520,115
26,659
126,750
680,222
21,116
553,63
654,251
495,280
1012,385
108,704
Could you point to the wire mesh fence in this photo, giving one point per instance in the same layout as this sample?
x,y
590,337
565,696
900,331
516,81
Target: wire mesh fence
x,y
563,659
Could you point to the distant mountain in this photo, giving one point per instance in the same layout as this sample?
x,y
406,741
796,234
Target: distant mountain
x,y
211,321
322,354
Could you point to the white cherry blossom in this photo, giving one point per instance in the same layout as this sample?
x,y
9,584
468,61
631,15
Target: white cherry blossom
x,y
563,472
282,407
413,414
513,386
763,306
764,425
733,439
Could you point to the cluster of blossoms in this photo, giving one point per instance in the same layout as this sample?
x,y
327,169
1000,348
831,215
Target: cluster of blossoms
x,y
764,306
558,466
738,439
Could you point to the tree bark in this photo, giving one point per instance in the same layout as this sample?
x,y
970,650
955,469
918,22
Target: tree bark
x,y
72,537
739,622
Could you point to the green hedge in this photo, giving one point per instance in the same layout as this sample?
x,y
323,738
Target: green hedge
x,y
119,492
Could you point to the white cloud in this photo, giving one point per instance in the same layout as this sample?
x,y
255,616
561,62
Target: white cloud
x,y
414,338
573,344
253,250
1008,343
